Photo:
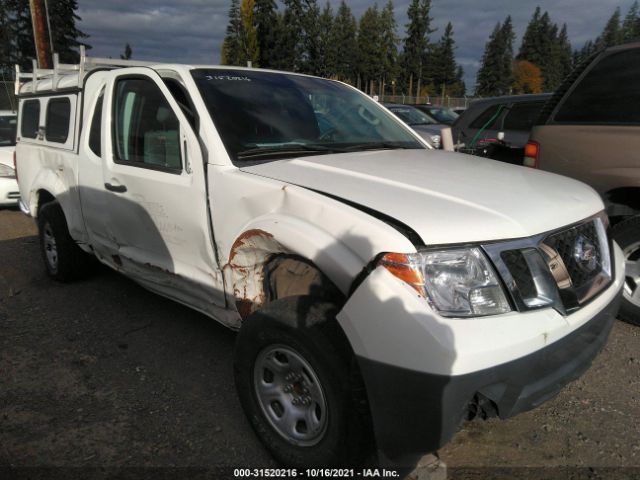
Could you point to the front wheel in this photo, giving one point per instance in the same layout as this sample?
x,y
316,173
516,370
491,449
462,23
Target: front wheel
x,y
63,259
627,235
294,378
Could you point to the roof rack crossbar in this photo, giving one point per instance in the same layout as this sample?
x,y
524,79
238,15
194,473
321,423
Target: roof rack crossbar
x,y
85,65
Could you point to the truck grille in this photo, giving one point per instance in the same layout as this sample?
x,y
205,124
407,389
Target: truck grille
x,y
564,269
579,238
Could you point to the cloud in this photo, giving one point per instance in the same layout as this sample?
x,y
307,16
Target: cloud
x,y
191,31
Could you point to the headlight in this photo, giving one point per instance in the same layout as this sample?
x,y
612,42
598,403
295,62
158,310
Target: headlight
x,y
457,282
7,171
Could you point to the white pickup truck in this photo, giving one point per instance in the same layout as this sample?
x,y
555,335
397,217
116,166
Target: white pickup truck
x,y
383,291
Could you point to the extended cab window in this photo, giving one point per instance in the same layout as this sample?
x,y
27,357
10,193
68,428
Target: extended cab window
x,y
57,124
522,116
30,118
147,132
608,94
95,142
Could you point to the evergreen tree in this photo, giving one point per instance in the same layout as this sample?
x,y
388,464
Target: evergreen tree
x,y
65,35
290,36
127,52
443,63
540,46
459,88
588,49
564,53
326,50
631,23
529,47
266,20
22,47
370,64
507,36
491,79
612,33
416,45
6,35
230,54
312,61
343,38
389,43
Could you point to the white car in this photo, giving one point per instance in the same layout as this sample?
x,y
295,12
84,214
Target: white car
x,y
9,193
383,291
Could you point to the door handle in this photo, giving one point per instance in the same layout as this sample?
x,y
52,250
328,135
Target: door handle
x,y
115,188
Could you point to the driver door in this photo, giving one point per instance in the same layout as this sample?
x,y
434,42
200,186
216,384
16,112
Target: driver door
x,y
154,177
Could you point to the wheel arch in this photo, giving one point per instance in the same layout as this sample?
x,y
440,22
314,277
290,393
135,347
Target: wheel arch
x,y
622,202
274,258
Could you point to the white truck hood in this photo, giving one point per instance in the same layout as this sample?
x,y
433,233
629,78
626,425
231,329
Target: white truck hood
x,y
445,197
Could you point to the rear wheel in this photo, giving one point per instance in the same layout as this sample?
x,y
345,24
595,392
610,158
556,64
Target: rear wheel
x,y
294,376
627,235
63,259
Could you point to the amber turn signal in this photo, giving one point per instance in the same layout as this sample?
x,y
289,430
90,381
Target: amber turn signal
x,y
399,265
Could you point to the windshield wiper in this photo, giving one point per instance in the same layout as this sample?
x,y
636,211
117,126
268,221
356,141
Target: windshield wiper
x,y
381,146
289,149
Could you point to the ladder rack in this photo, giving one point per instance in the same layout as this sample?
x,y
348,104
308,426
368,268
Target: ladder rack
x,y
63,70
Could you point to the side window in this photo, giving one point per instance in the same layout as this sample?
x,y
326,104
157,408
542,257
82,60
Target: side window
x,y
522,116
30,119
181,97
609,93
147,132
95,142
57,122
487,115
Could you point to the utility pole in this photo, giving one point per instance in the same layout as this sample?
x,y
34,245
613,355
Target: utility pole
x,y
41,36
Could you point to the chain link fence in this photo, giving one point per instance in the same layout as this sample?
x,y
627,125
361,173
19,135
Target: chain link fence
x,y
450,102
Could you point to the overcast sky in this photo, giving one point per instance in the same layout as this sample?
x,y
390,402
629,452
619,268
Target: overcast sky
x,y
191,31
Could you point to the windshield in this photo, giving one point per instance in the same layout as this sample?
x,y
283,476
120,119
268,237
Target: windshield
x,y
442,115
7,130
269,115
411,115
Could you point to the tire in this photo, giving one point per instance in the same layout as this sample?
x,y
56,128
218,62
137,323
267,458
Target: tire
x,y
63,259
627,235
292,349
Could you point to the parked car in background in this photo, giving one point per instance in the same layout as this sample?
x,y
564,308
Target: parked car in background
x,y
423,124
479,128
9,193
590,130
439,114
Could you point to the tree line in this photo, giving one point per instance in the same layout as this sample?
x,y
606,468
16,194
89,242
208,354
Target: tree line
x,y
545,56
366,52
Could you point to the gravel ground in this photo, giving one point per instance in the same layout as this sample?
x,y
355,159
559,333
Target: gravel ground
x,y
103,374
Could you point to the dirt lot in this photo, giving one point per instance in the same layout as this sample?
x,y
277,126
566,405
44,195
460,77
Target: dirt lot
x,y
103,374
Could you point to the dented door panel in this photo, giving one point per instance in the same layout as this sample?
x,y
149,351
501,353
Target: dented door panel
x,y
158,220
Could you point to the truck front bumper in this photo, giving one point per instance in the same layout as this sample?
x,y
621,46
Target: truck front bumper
x,y
417,412
425,375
